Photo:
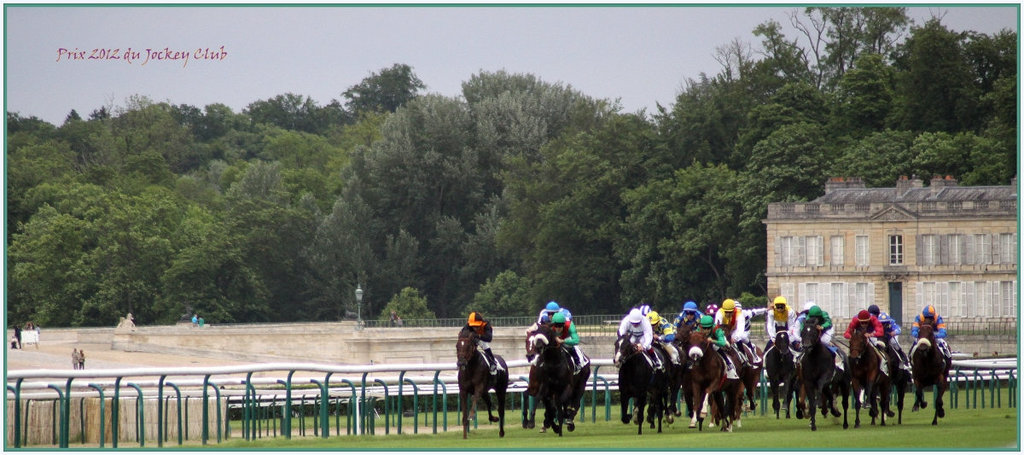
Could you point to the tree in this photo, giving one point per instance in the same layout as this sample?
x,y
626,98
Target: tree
x,y
383,91
864,97
408,304
507,294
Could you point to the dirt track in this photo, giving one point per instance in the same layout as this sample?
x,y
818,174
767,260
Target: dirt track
x,y
57,355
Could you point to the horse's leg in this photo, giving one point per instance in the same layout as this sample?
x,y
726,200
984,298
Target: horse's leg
x,y
641,399
499,392
919,402
486,397
464,402
858,389
624,403
940,412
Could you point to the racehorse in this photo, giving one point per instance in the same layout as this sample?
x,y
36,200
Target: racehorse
x,y
559,388
681,381
709,383
476,379
750,374
899,379
673,381
867,375
640,381
929,369
781,371
819,377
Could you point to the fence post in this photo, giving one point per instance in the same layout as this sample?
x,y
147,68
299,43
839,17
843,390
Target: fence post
x,y
140,422
324,422
115,405
351,425
102,419
17,411
286,419
60,426
160,411
177,392
387,427
415,408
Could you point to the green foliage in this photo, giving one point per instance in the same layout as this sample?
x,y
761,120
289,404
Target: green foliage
x,y
507,294
409,304
383,91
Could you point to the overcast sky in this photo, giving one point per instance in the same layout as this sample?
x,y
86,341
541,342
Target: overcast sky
x,y
640,55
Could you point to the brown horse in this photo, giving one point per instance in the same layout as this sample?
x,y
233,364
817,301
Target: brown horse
x,y
750,374
867,375
929,369
709,384
476,379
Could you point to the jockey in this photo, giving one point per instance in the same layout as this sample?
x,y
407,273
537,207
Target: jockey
x,y
734,322
781,317
690,316
892,329
640,332
484,332
873,329
815,315
748,316
711,309
930,316
718,342
545,315
644,309
569,339
664,333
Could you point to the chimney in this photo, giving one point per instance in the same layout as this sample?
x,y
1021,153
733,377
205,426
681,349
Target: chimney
x,y
904,184
938,183
835,183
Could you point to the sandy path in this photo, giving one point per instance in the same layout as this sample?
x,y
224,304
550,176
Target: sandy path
x,y
57,355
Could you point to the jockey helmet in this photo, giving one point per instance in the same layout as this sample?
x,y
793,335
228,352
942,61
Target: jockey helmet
x,y
739,305
552,306
634,316
711,309
928,312
654,317
690,305
566,313
728,306
644,309
780,302
558,319
815,311
808,305
864,316
873,309
476,319
707,321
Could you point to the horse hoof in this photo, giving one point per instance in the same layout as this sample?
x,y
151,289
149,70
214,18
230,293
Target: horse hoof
x,y
846,425
493,419
678,414
570,426
693,425
543,430
940,412
670,418
924,404
890,413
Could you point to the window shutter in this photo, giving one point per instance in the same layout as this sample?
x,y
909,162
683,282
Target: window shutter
x,y
944,249
801,251
995,248
778,252
920,250
968,243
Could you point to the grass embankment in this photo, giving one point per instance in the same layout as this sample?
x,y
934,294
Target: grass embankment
x,y
961,429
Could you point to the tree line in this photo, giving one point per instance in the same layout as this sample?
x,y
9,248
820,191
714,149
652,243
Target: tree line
x,y
517,192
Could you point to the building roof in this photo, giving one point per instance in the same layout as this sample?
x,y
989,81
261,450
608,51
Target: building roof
x,y
927,194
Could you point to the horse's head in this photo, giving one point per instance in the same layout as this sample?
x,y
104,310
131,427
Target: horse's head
x,y
810,335
926,335
858,343
537,342
697,340
465,348
782,338
623,349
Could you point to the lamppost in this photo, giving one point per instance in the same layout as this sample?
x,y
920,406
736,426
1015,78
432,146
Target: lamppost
x,y
359,307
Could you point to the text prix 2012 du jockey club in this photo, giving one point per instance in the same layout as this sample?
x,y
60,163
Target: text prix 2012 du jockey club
x,y
130,55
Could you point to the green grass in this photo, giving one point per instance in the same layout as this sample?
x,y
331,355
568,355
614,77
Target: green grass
x,y
960,429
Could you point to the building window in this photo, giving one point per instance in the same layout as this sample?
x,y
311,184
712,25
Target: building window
x,y
837,300
861,244
837,243
860,295
815,250
785,248
956,307
928,294
982,249
1007,289
1007,249
956,248
929,250
980,300
895,250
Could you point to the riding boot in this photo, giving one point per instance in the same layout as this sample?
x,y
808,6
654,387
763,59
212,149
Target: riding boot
x,y
658,366
491,360
753,353
730,369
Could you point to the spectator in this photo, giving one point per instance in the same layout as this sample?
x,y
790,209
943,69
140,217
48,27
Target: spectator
x,y
81,360
17,335
202,322
395,320
75,359
195,320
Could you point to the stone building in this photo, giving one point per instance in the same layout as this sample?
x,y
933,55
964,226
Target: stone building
x,y
900,248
